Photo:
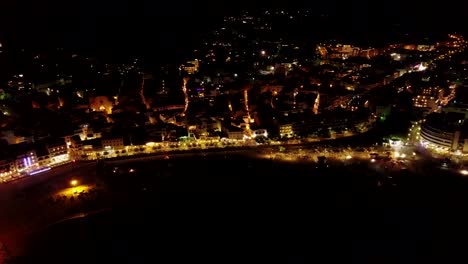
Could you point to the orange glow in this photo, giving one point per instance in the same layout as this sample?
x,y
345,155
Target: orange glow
x,y
142,94
316,104
186,101
246,103
101,103
73,191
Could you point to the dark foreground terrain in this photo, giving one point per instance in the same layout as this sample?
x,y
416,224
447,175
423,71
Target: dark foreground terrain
x,y
232,209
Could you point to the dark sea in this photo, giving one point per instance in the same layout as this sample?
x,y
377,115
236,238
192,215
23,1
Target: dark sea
x,y
234,209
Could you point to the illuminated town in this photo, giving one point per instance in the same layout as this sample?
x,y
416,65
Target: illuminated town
x,y
248,89
290,96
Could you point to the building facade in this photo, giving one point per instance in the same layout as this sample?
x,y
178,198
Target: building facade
x,y
445,132
113,143
7,170
26,162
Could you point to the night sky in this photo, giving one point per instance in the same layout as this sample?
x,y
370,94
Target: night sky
x,y
171,26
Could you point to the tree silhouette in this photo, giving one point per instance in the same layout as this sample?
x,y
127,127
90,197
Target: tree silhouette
x,y
5,253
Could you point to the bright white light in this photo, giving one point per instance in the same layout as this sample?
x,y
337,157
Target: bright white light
x,y
397,154
372,160
403,156
263,52
395,142
464,172
349,157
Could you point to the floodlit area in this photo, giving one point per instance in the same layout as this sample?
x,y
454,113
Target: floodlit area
x,y
75,190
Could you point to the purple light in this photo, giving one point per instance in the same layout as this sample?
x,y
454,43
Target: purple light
x,y
25,162
29,162
39,171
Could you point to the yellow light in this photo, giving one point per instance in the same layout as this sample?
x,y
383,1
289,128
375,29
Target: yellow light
x,y
349,157
72,191
73,182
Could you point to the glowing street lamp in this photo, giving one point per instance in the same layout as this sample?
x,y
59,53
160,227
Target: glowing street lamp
x,y
464,172
73,182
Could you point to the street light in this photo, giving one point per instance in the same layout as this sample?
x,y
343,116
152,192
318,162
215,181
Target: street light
x,y
73,182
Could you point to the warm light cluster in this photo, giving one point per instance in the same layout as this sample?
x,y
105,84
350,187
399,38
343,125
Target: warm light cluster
x,y
101,104
186,97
